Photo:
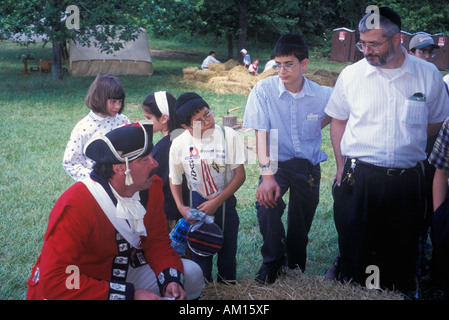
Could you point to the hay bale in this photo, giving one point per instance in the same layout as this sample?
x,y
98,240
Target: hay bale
x,y
189,70
234,88
205,75
268,73
231,77
189,73
225,78
222,85
215,82
189,77
217,67
241,74
321,80
239,69
295,285
231,63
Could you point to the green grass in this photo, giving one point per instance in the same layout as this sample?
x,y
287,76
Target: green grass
x,y
37,118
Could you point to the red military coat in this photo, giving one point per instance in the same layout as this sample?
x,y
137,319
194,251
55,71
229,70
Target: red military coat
x,y
79,234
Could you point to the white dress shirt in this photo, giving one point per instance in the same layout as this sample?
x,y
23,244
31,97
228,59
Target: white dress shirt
x,y
386,125
208,61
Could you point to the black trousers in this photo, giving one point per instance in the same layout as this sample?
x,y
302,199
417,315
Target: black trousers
x,y
440,242
379,218
226,257
295,175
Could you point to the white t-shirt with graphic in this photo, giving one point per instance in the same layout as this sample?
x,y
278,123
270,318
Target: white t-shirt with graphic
x,y
204,161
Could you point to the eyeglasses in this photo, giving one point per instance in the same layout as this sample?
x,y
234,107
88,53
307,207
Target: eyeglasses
x,y
208,118
362,45
425,52
287,67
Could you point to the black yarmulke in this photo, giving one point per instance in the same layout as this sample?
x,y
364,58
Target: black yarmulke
x,y
391,15
189,99
187,105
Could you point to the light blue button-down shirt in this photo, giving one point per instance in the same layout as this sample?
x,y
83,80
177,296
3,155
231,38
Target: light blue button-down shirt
x,y
294,122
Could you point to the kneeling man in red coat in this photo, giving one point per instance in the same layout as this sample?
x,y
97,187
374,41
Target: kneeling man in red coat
x,y
107,236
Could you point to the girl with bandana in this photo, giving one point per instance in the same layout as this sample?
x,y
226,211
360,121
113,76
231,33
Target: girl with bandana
x,y
159,107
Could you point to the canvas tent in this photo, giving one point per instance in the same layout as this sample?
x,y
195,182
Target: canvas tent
x,y
133,59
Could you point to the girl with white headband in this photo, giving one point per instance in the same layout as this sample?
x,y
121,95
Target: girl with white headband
x,y
159,107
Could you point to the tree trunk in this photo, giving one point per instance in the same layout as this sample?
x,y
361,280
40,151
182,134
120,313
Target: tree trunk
x,y
56,61
230,46
243,26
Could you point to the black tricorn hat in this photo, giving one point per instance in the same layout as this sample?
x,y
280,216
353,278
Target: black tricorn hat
x,y
122,145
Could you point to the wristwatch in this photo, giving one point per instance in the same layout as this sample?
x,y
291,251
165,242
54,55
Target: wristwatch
x,y
265,168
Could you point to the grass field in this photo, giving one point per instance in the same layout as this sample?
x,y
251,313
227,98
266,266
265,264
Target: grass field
x,y
37,118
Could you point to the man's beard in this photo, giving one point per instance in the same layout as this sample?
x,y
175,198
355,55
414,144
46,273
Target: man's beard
x,y
382,59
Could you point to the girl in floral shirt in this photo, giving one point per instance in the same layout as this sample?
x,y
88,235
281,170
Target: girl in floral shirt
x,y
106,99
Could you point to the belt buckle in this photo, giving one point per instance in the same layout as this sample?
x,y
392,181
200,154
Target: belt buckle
x,y
391,172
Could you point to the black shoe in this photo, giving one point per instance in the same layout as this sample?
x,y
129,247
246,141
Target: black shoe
x,y
269,272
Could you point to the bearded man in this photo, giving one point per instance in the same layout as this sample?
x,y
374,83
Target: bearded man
x,y
383,108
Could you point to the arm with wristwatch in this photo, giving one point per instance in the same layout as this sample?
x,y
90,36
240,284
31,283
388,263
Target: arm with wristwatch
x,y
268,191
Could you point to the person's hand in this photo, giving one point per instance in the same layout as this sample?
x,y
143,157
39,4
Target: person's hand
x,y
339,175
184,211
175,290
209,207
144,294
268,192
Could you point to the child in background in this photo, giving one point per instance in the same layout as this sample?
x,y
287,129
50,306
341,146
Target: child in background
x,y
254,67
159,107
246,58
106,100
212,159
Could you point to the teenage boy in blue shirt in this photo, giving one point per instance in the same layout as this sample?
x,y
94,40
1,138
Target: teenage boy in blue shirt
x,y
287,113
